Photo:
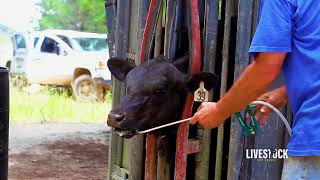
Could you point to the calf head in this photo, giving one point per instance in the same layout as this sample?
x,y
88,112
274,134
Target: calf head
x,y
154,93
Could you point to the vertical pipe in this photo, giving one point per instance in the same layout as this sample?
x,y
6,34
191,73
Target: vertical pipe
x,y
158,35
241,62
195,65
223,87
149,30
151,157
152,139
210,47
4,122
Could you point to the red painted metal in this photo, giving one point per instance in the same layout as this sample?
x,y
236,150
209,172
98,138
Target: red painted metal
x,y
146,30
151,144
196,40
182,142
151,157
183,145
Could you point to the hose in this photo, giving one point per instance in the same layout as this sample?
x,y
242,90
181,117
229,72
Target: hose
x,y
284,120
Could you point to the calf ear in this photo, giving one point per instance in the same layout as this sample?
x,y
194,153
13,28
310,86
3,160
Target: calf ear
x,y
182,63
210,81
119,68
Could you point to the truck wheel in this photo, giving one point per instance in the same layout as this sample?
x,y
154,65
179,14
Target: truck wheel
x,y
85,90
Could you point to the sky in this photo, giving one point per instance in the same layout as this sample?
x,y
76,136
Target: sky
x,y
18,14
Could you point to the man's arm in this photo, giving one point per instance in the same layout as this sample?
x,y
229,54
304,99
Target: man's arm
x,y
252,83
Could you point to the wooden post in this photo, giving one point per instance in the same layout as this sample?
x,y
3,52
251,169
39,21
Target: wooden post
x,y
121,45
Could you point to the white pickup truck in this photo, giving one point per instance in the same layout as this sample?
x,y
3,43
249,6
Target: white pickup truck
x,y
68,58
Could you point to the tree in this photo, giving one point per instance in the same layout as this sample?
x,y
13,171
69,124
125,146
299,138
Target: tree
x,y
80,15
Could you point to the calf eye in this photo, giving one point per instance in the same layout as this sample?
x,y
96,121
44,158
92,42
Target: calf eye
x,y
160,92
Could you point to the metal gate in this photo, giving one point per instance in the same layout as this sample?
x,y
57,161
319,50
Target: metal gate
x,y
226,29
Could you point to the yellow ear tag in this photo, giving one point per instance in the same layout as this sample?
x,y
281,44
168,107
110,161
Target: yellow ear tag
x,y
201,94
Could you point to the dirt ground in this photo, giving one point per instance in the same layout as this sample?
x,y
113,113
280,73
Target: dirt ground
x,y
58,151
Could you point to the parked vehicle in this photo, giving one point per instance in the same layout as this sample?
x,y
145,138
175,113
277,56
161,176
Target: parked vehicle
x,y
23,44
69,58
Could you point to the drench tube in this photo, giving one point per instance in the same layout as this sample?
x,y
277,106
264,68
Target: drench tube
x,y
4,122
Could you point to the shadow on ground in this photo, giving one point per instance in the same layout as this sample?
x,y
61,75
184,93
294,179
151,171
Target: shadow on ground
x,y
63,151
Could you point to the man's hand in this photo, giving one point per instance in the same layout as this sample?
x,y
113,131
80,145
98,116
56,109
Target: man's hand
x,y
277,97
208,115
253,82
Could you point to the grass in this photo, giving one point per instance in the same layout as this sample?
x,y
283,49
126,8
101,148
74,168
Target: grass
x,y
54,107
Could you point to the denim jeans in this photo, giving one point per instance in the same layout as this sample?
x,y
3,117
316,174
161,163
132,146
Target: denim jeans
x,y
296,168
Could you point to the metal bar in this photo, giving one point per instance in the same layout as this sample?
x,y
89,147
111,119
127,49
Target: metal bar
x,y
170,14
223,87
170,46
163,166
149,30
158,35
182,142
194,146
195,65
241,62
209,63
4,122
152,140
151,157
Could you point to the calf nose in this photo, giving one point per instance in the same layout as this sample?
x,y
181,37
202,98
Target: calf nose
x,y
117,117
114,119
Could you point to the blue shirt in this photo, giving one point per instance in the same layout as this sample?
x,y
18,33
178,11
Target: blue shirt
x,y
293,26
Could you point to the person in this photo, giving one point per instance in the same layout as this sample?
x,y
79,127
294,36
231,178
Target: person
x,y
287,39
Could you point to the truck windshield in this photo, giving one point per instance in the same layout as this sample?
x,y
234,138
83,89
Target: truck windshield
x,y
91,44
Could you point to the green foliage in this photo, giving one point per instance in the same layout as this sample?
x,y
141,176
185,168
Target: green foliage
x,y
48,106
80,15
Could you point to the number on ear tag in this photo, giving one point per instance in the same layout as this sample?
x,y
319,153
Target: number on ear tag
x,y
201,94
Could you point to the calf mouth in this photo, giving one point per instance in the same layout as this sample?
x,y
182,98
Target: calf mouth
x,y
125,133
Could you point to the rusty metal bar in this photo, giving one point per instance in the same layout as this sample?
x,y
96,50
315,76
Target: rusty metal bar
x,y
151,157
163,166
4,122
194,146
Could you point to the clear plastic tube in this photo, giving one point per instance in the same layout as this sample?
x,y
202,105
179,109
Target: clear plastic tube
x,y
284,120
